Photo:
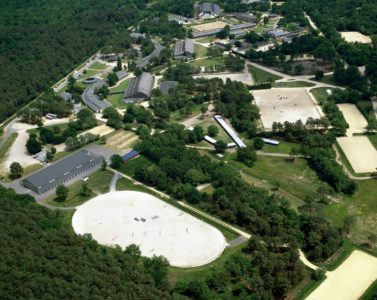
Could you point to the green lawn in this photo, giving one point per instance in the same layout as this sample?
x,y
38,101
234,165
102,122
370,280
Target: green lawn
x,y
206,40
208,62
175,116
129,167
293,176
121,87
283,147
328,79
261,76
292,84
89,73
31,169
200,51
98,66
222,135
61,127
61,154
98,183
321,94
117,101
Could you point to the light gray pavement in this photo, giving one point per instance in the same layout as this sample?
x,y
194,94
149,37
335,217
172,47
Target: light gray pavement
x,y
113,182
236,242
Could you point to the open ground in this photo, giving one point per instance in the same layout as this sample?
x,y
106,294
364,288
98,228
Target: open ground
x,y
360,153
121,140
280,105
129,217
355,37
209,26
354,118
350,280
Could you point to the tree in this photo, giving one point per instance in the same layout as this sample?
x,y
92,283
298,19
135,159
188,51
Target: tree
x,y
116,161
220,147
212,130
298,69
204,109
258,143
103,165
85,190
134,251
33,146
16,170
319,75
85,119
61,193
247,155
119,64
348,223
112,79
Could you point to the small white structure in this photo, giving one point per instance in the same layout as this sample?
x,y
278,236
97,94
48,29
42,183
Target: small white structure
x,y
210,140
271,142
158,228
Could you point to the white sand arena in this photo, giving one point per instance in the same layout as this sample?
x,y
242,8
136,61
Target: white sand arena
x,y
281,104
124,218
350,280
209,26
100,130
355,37
360,153
354,118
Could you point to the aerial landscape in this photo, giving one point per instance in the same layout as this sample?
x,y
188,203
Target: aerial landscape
x,y
165,149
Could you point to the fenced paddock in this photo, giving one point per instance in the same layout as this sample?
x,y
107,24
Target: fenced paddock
x,y
129,217
210,26
360,153
350,280
280,105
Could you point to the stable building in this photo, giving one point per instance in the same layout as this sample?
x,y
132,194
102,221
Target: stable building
x,y
184,49
140,88
62,171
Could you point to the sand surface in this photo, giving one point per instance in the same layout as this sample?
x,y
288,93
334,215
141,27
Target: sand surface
x,y
360,153
354,36
350,280
282,104
354,118
209,26
115,219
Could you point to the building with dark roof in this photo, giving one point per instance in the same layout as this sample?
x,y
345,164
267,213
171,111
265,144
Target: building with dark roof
x,y
184,49
92,100
156,53
140,88
167,86
245,17
62,171
206,9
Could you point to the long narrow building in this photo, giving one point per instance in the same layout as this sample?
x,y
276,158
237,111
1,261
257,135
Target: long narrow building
x,y
229,131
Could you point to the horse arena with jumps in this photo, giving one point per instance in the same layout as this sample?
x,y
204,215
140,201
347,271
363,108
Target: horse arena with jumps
x,y
350,280
210,26
158,228
280,105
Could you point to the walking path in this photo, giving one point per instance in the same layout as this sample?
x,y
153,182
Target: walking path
x,y
113,183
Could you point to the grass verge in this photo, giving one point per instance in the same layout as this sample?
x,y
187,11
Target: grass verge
x,y
261,76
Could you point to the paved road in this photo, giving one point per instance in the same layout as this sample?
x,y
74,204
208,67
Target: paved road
x,y
113,182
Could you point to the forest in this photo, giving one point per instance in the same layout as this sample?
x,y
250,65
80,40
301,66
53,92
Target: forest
x,y
42,41
43,259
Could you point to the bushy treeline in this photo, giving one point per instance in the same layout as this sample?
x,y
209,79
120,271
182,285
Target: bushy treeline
x,y
41,41
318,146
41,258
270,262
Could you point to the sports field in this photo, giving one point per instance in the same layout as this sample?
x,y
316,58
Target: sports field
x,y
360,153
350,280
129,217
210,26
280,105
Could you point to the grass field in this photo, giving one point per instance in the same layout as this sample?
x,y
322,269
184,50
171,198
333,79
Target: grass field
x,y
129,167
206,40
321,94
3,154
200,51
292,84
117,99
175,116
98,183
283,147
207,62
121,87
31,169
261,76
222,135
98,66
293,176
